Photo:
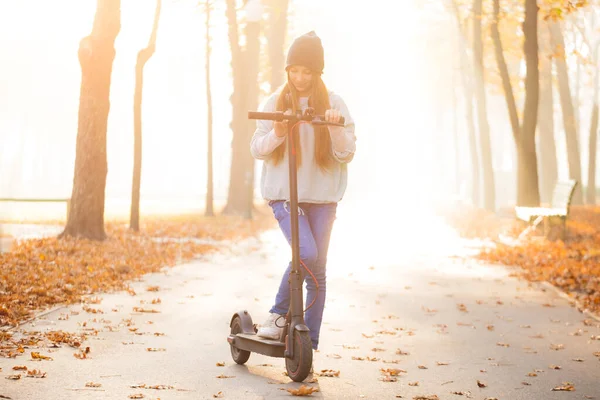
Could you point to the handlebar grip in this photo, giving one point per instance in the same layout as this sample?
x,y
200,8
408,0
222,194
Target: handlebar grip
x,y
272,116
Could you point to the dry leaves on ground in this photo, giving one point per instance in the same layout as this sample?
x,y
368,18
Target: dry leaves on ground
x,y
303,391
572,266
40,273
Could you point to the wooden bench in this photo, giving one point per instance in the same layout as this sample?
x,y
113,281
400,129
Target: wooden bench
x,y
558,209
33,200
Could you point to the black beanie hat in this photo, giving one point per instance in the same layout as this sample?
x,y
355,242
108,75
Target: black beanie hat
x,y
307,50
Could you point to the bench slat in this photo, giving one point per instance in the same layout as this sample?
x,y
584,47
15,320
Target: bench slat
x,y
562,194
31,200
526,213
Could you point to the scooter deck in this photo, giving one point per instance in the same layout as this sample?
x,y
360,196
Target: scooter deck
x,y
253,343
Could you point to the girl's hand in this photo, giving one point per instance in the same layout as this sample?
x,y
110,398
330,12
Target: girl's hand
x,y
333,116
281,128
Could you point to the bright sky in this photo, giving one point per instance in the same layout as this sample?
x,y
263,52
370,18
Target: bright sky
x,y
374,59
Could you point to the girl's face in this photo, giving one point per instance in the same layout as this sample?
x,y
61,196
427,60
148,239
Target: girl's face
x,y
301,77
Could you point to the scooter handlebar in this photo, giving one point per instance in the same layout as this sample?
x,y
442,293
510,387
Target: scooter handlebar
x,y
271,116
280,116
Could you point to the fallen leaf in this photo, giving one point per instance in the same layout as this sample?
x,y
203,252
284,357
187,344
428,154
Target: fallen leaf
x,y
392,371
557,346
565,387
153,288
303,391
37,356
19,368
552,366
222,376
388,378
221,364
441,363
161,387
481,384
136,396
218,395
329,373
429,397
145,310
93,384
153,349
461,393
36,374
14,377
415,383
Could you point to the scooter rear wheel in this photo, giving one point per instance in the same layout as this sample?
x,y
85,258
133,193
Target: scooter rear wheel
x,y
298,367
239,356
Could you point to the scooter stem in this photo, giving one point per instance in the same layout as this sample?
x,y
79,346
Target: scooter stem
x,y
296,297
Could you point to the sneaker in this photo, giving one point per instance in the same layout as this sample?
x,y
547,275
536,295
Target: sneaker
x,y
269,330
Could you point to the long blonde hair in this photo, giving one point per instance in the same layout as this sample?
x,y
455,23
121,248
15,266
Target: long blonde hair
x,y
319,100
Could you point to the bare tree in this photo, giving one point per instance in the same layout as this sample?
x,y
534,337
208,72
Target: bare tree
x,y
548,168
527,176
568,112
209,211
489,192
96,55
244,63
467,85
277,28
142,58
594,47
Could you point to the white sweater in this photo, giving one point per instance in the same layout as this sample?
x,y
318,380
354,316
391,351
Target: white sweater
x,y
314,184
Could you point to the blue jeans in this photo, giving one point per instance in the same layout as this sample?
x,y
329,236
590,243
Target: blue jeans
x,y
315,222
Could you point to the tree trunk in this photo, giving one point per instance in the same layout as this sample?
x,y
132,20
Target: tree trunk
x,y
245,79
593,140
546,144
96,55
142,58
209,210
504,75
527,180
489,195
466,74
276,41
528,193
252,64
567,110
455,130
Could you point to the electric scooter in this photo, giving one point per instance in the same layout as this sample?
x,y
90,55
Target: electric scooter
x,y
294,343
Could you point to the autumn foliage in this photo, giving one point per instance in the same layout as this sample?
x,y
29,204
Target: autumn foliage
x,y
41,273
572,266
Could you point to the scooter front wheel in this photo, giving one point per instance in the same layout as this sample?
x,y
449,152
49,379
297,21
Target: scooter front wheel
x,y
299,366
239,356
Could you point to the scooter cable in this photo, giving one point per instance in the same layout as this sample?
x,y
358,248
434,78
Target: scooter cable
x,y
316,283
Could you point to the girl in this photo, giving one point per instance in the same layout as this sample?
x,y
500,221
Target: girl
x,y
322,155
